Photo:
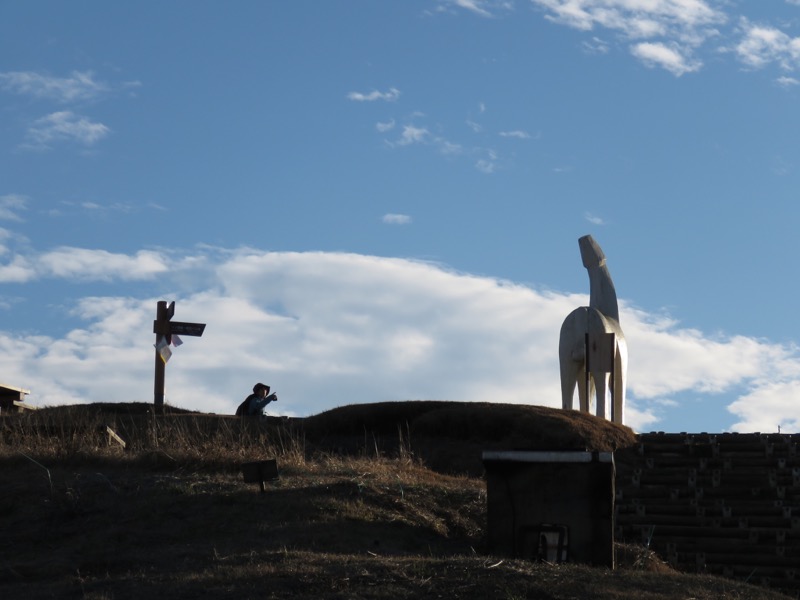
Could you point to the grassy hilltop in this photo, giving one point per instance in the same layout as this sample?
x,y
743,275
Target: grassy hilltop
x,y
373,501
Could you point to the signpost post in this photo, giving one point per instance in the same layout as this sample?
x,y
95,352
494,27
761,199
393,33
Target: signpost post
x,y
165,328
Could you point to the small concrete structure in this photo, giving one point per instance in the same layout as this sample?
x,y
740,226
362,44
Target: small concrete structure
x,y
12,399
556,506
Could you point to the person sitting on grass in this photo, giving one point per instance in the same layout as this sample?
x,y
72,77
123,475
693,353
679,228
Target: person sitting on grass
x,y
254,404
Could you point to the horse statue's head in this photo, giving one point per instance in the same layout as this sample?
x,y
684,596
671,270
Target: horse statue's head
x,y
591,253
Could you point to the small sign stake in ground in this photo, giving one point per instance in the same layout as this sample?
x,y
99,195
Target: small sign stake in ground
x,y
260,471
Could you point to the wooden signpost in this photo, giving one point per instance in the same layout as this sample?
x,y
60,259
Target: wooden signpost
x,y
165,328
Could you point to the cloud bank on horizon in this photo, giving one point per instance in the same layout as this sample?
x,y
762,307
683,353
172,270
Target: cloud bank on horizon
x,y
329,329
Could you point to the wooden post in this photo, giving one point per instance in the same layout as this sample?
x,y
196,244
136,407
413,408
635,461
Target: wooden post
x,y
160,328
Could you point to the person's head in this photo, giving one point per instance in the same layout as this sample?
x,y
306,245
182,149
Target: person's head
x,y
261,389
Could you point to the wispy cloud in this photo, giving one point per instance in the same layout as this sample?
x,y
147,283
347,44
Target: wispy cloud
x,y
762,44
396,219
390,96
476,6
83,264
11,205
100,265
417,135
488,164
594,219
669,58
116,207
787,81
64,126
517,133
476,127
412,135
595,46
449,148
385,126
635,18
482,8
79,86
93,209
666,33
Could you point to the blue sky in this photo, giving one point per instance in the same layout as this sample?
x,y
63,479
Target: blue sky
x,y
370,201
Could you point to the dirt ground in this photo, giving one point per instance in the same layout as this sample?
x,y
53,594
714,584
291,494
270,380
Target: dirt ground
x,y
84,519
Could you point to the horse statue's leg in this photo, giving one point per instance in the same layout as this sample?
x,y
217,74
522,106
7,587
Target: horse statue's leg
x,y
571,357
585,390
569,378
601,388
620,374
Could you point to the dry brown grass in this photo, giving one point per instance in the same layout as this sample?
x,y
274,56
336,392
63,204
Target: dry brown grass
x,y
171,518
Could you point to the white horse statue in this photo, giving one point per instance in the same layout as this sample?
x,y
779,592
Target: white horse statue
x,y
585,330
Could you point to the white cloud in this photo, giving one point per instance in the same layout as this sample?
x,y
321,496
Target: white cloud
x,y
11,205
396,219
787,81
96,207
64,126
635,18
669,58
669,30
328,329
385,126
78,86
594,219
17,270
482,8
449,148
412,135
761,45
769,407
80,263
666,34
476,6
390,96
84,265
519,134
487,165
595,46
